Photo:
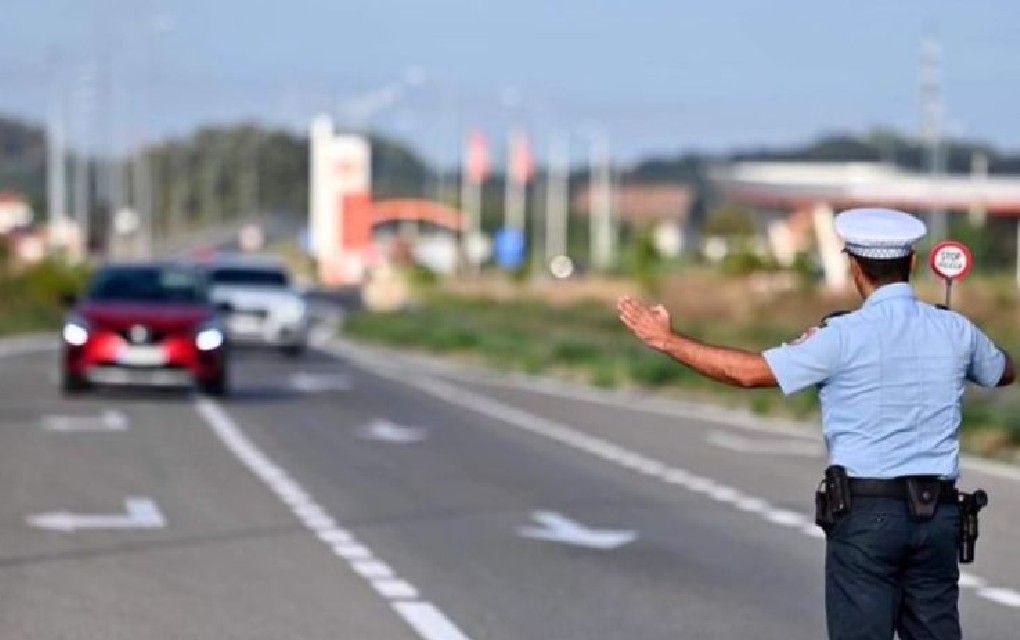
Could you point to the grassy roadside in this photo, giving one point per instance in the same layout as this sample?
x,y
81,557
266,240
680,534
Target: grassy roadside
x,y
29,298
582,340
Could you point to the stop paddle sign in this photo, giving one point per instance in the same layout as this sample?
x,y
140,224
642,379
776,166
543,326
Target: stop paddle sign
x,y
951,260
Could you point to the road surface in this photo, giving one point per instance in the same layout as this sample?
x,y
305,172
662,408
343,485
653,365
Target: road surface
x,y
360,494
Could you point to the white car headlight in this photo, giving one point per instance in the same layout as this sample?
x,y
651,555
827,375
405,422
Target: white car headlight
x,y
76,332
209,338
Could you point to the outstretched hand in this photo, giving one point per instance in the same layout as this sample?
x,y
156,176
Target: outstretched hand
x,y
650,324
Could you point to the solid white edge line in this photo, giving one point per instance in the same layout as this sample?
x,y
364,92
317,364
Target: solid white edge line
x,y
1005,597
649,404
426,620
448,392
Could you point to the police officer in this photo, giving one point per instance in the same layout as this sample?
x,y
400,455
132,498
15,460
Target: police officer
x,y
890,378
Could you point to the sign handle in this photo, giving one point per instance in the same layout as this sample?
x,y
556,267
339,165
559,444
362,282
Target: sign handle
x,y
949,293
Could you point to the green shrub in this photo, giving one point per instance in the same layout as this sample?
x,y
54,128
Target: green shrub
x,y
654,370
30,299
1009,420
575,352
603,374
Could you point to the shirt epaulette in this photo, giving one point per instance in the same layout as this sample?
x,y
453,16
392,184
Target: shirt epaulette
x,y
835,314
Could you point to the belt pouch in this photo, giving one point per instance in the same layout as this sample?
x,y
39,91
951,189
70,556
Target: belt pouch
x,y
923,496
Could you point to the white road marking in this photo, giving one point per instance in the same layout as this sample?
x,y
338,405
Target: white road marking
x,y
373,570
335,536
386,431
142,513
320,383
109,420
1006,597
453,394
395,589
771,446
968,580
637,401
428,621
786,518
556,527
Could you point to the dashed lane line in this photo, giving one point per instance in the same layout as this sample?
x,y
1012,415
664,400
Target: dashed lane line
x,y
425,618
611,452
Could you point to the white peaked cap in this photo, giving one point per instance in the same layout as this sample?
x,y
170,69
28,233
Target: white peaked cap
x,y
881,234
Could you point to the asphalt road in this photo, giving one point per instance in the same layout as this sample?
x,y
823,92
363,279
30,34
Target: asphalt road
x,y
362,495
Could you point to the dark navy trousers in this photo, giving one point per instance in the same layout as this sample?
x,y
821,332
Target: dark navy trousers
x,y
884,572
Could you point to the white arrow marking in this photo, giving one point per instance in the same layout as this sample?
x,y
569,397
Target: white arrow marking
x,y
766,447
142,513
311,383
386,431
558,528
110,420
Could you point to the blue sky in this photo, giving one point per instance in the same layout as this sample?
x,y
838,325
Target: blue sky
x,y
657,77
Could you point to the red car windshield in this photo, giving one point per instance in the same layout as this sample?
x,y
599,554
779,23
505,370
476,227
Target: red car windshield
x,y
148,284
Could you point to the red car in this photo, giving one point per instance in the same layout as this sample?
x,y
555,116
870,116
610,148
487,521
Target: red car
x,y
145,324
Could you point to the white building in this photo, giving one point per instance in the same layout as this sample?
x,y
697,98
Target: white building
x,y
14,212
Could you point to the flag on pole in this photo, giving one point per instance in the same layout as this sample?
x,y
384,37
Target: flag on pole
x,y
476,159
522,161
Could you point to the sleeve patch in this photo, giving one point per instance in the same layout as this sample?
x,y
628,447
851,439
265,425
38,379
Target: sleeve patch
x,y
805,336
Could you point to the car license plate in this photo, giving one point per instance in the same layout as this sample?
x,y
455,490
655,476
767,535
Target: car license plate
x,y
142,356
245,324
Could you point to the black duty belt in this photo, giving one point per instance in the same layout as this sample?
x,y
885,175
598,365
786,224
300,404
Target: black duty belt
x,y
897,488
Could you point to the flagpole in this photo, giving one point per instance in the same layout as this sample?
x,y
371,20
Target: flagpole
x,y
518,170
473,173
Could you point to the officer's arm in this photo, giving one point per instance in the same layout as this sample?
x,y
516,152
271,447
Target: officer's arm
x,y
1008,371
730,366
990,366
734,367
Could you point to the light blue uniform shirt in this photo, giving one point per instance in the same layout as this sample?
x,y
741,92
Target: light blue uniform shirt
x,y
891,377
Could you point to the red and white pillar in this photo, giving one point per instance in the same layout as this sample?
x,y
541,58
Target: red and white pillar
x,y
340,202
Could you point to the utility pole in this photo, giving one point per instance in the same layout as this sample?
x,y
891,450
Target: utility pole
x,y
56,178
177,186
932,118
601,223
248,179
142,179
210,166
84,99
978,175
557,196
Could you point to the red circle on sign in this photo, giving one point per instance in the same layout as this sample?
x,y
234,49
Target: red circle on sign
x,y
933,260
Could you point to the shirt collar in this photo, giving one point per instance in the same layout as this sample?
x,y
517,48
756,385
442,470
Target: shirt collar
x,y
897,290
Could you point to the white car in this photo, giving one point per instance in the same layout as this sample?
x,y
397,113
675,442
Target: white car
x,y
260,304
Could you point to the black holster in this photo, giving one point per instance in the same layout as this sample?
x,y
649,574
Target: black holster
x,y
832,498
970,505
